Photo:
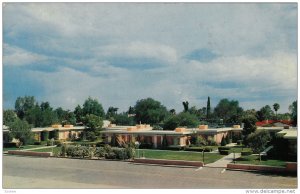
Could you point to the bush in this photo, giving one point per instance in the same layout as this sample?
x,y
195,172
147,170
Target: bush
x,y
63,150
110,155
239,142
246,153
37,143
200,141
208,149
224,152
194,149
223,141
145,146
120,153
77,151
100,144
130,152
211,141
223,148
10,145
58,143
100,152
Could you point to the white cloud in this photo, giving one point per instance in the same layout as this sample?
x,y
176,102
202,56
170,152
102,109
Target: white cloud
x,y
14,56
255,43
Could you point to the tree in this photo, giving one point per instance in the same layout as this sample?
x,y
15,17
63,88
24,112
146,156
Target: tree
x,y
123,119
150,111
276,107
183,119
111,113
229,111
185,106
92,106
21,130
293,110
265,113
208,108
78,113
93,122
9,116
249,126
94,125
23,104
41,116
173,111
258,141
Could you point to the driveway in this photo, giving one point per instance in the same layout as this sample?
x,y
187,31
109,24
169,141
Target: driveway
x,y
32,172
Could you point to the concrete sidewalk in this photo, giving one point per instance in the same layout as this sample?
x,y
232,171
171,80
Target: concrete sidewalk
x,y
29,149
222,163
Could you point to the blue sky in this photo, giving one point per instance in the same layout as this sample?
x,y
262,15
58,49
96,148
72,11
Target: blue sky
x,y
120,53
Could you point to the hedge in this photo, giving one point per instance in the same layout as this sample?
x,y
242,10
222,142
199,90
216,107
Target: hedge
x,y
224,152
195,149
223,148
246,153
10,145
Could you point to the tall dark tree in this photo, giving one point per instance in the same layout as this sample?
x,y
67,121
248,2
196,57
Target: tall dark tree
x,y
265,113
208,108
21,130
183,119
185,106
78,113
23,104
9,116
92,106
249,126
229,111
276,107
293,110
173,111
150,111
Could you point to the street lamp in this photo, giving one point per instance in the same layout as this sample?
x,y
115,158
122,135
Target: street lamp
x,y
137,144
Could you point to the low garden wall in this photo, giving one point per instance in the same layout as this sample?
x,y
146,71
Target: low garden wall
x,y
30,153
168,162
290,167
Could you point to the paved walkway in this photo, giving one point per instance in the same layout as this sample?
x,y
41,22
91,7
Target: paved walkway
x,y
222,163
29,149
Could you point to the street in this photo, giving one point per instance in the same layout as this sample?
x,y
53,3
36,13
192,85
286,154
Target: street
x,y
39,173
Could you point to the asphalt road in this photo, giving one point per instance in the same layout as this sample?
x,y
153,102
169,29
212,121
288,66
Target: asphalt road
x,y
32,172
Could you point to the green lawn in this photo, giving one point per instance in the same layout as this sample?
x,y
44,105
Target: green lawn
x,y
24,147
254,159
55,150
175,155
239,149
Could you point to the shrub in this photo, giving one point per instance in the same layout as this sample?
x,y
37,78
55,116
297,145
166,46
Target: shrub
x,y
100,152
48,143
100,144
224,152
223,141
194,149
223,148
110,155
211,141
145,146
77,151
120,153
208,149
63,150
58,143
130,152
37,143
10,145
239,142
200,141
246,153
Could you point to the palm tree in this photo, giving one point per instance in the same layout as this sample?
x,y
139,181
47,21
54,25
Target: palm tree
x,y
276,107
185,106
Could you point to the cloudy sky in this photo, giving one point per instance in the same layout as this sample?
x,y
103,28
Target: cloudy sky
x,y
120,53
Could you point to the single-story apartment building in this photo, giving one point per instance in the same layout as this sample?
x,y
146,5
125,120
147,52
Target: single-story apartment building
x,y
180,137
